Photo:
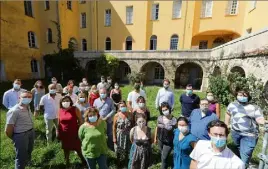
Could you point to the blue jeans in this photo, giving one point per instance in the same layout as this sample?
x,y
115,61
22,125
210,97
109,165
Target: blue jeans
x,y
101,160
245,145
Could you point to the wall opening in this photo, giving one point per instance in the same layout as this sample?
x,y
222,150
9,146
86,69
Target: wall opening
x,y
239,70
91,71
154,73
121,73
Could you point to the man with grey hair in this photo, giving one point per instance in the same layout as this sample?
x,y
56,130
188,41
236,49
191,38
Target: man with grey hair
x,y
106,109
19,128
50,104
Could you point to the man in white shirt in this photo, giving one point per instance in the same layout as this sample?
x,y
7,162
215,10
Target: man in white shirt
x,y
132,96
102,84
164,94
50,104
58,85
214,154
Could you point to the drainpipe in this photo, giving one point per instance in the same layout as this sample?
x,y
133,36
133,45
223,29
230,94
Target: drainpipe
x,y
186,12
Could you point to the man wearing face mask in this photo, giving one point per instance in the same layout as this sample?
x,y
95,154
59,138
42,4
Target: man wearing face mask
x,y
11,97
133,96
49,104
109,86
189,101
102,84
164,94
106,109
215,153
245,120
199,120
58,85
19,128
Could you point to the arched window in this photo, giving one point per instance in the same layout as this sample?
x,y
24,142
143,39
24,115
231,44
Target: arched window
x,y
129,43
84,45
218,42
32,39
174,42
108,44
153,42
49,36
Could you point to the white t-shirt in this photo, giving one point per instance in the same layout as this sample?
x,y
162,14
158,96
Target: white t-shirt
x,y
132,96
207,159
51,105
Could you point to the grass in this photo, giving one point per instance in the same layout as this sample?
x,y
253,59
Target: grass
x,y
52,157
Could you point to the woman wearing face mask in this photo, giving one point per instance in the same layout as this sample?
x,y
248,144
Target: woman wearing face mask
x,y
141,151
38,91
184,143
214,106
93,137
121,130
142,109
71,84
166,123
93,94
116,95
245,120
69,121
82,103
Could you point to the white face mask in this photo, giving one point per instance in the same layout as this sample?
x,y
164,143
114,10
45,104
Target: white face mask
x,y
116,87
210,98
183,129
165,112
66,104
141,105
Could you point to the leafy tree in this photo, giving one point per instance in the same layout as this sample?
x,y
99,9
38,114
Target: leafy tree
x,y
107,65
134,76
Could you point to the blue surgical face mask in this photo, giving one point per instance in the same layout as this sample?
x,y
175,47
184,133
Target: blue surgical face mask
x,y
16,86
103,95
26,101
123,109
93,119
242,99
82,99
189,92
218,142
52,91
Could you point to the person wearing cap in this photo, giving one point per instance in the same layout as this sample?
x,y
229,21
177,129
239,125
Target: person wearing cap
x,y
19,128
164,94
58,85
189,101
50,104
102,84
11,97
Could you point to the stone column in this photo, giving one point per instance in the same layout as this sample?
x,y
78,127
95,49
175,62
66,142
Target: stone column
x,y
205,81
170,71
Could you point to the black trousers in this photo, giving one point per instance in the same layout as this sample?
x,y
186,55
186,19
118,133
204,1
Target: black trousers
x,y
165,151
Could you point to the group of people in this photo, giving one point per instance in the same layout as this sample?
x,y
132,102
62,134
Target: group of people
x,y
92,119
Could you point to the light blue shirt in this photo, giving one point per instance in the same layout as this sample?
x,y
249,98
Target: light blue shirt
x,y
11,98
164,95
105,108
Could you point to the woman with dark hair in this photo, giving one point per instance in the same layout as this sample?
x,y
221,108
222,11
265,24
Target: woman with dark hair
x,y
38,91
82,103
184,143
142,109
71,84
245,120
214,106
93,137
165,126
122,125
116,95
69,121
141,150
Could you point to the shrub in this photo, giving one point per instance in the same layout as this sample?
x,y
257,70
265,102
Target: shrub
x,y
107,65
133,76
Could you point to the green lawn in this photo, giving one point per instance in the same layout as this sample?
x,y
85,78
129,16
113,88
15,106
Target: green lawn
x,y
52,157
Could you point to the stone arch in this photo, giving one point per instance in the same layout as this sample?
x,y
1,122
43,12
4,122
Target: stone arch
x,y
216,71
122,71
154,72
91,71
238,69
189,73
73,44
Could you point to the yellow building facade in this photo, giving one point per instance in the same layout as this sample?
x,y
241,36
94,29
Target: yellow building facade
x,y
118,25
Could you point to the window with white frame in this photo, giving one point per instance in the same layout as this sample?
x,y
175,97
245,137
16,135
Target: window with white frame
x,y
174,42
83,20
49,36
206,10
253,4
203,44
69,5
153,42
108,17
155,11
28,8
84,45
159,72
32,39
47,5
176,9
129,15
232,7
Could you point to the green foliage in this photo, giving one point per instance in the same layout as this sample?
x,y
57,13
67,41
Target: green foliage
x,y
107,65
64,65
133,76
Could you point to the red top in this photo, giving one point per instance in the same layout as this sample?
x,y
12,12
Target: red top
x,y
92,98
68,129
